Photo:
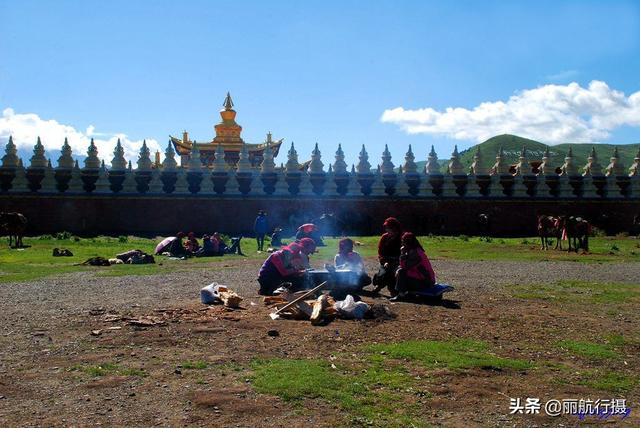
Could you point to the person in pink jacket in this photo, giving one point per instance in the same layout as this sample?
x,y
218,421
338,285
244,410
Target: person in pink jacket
x,y
415,271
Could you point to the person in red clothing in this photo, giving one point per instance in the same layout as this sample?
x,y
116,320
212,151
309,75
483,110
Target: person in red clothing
x,y
192,245
301,251
388,254
278,269
415,271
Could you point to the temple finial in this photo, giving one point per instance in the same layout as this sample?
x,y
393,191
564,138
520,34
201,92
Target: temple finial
x,y
228,103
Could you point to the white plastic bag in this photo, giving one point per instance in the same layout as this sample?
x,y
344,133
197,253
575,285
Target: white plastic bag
x,y
349,308
210,294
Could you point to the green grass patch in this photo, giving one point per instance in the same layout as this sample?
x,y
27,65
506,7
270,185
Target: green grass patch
x,y
454,354
369,397
609,381
106,369
37,262
376,387
197,365
580,292
591,350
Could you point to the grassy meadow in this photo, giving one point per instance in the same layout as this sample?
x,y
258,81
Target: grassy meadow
x,y
35,261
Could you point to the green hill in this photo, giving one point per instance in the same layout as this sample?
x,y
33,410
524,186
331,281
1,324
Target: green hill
x,y
512,145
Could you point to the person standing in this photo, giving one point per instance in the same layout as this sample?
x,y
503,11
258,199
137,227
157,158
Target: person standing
x,y
260,228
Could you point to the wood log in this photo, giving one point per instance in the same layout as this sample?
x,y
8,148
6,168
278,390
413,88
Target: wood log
x,y
273,300
318,306
305,307
230,299
274,315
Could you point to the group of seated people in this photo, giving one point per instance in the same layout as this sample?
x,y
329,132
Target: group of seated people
x,y
404,266
212,246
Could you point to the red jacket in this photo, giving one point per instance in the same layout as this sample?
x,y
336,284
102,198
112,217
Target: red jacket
x,y
417,265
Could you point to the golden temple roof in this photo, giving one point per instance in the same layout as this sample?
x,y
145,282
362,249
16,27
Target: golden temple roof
x,y
227,134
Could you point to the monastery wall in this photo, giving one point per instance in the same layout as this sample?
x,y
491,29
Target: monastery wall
x,y
164,198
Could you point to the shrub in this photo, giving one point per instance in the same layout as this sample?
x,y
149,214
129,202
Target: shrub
x,y
525,242
464,238
614,247
45,237
123,239
63,236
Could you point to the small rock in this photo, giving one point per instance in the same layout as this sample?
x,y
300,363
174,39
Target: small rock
x,y
132,394
2,397
96,332
177,371
273,333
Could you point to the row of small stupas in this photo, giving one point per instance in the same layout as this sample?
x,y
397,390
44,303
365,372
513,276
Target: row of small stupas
x,y
220,178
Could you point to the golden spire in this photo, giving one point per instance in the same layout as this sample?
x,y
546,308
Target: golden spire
x,y
228,103
228,131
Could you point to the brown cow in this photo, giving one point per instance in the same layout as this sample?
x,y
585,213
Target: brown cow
x,y
548,227
577,231
14,225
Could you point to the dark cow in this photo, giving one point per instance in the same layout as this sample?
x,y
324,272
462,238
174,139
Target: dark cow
x,y
549,227
14,225
577,231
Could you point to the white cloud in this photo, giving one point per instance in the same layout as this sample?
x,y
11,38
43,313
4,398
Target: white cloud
x,y
27,127
552,114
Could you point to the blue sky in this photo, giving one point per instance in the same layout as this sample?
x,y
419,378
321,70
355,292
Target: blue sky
x,y
322,71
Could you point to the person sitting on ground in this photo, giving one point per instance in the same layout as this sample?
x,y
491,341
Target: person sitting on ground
x,y
173,246
348,259
388,254
260,228
276,237
415,272
140,258
208,249
278,269
224,249
192,245
310,230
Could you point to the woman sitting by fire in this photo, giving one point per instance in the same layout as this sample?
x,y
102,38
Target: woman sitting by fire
x,y
415,272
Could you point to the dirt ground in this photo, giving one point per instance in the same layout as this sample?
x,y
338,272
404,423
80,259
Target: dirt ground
x,y
46,335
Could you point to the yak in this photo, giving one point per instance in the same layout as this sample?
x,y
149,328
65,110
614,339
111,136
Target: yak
x,y
13,225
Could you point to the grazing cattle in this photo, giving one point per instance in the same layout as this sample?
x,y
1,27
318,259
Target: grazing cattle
x,y
549,227
14,225
576,230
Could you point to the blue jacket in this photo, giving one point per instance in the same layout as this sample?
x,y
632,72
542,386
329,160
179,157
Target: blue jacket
x,y
260,227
